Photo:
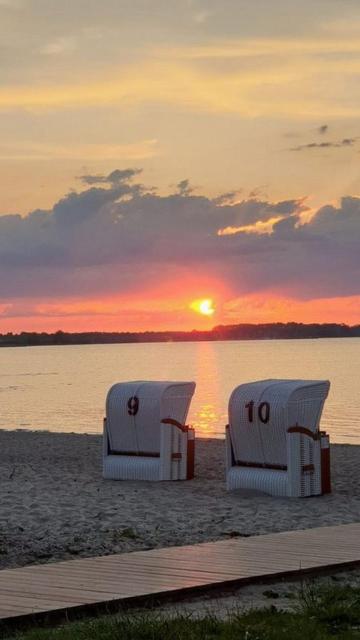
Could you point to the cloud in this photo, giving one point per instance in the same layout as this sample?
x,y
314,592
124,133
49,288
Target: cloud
x,y
59,46
249,77
114,178
323,129
345,142
202,62
115,237
184,188
202,16
230,197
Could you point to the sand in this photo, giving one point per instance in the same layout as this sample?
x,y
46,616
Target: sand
x,y
282,595
55,505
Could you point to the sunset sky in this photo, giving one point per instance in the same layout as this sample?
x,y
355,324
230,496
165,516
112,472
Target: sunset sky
x,y
156,154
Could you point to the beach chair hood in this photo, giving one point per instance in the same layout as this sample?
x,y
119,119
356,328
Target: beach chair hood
x,y
134,412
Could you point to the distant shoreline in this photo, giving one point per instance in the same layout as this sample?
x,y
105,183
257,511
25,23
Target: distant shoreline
x,y
275,331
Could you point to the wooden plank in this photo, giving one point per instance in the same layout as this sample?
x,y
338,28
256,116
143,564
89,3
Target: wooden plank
x,y
112,581
35,603
125,568
197,569
115,581
239,564
163,577
53,591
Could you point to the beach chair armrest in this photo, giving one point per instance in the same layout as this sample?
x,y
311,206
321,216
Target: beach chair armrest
x,y
171,421
305,432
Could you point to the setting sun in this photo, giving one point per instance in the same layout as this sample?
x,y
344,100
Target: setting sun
x,y
205,306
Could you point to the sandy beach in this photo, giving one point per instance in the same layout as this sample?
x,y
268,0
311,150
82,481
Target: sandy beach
x,y
55,504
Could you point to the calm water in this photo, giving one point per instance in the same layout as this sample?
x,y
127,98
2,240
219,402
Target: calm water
x,y
63,388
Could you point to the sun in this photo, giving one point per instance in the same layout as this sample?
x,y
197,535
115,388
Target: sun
x,y
204,306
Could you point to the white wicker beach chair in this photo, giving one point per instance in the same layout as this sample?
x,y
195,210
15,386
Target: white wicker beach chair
x,y
273,442
145,436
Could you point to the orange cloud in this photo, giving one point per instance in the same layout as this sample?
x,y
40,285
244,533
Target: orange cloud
x,y
175,77
260,227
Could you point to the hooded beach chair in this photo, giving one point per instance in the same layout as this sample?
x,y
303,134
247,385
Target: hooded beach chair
x,y
145,435
273,441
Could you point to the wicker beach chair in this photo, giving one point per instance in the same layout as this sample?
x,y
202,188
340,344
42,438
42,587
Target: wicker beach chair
x,y
273,441
145,435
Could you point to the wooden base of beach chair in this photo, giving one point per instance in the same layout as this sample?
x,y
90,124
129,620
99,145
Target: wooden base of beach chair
x,y
325,463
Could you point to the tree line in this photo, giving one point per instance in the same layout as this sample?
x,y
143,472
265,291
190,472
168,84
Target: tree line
x,y
270,331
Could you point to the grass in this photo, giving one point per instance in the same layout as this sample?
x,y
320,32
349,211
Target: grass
x,y
319,613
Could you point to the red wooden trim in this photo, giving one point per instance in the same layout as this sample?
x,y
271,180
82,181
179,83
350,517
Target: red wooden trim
x,y
308,467
190,463
143,454
261,465
304,431
325,464
278,467
183,427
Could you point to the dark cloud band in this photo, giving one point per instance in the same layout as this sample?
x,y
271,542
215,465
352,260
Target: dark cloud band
x,y
117,236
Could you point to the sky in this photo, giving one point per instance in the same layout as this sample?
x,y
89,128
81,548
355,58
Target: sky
x,y
157,154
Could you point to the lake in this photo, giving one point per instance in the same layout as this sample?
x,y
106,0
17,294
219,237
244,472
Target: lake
x,y
63,388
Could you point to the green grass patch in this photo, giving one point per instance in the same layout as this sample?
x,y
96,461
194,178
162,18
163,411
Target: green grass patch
x,y
318,613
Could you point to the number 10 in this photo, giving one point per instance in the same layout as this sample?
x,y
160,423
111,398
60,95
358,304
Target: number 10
x,y
263,411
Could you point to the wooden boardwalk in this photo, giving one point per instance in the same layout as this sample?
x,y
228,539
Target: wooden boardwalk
x,y
64,588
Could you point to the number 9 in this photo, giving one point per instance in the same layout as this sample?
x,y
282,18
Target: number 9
x,y
133,406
